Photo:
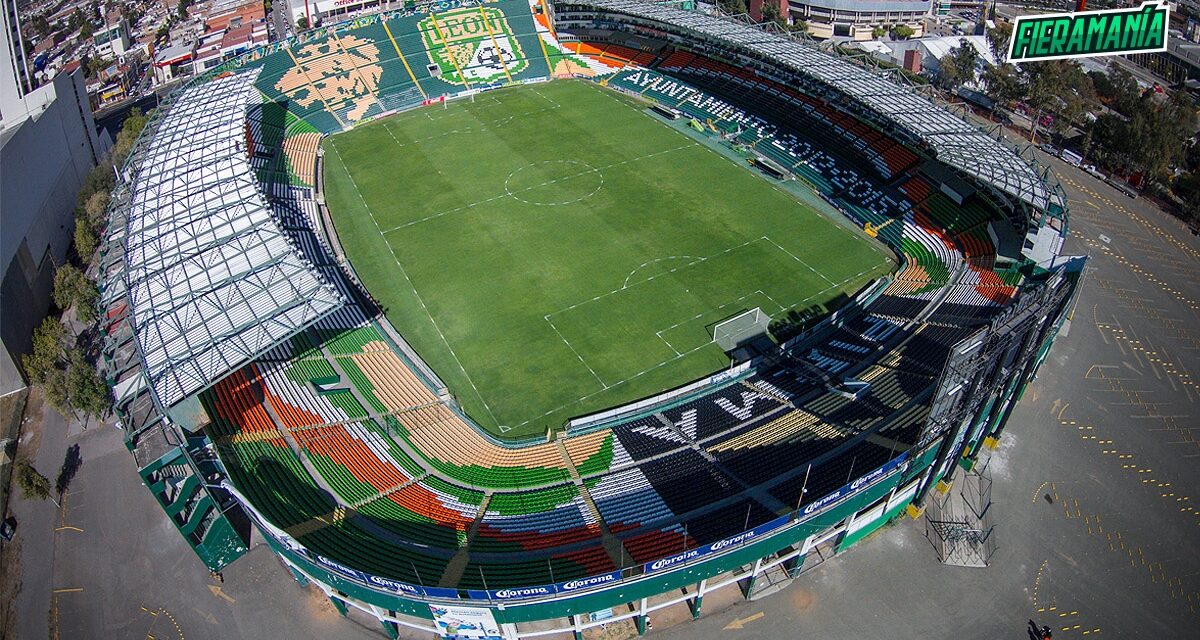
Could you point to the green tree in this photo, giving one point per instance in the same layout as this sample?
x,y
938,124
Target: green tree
x,y
735,7
302,23
771,13
49,338
957,67
902,32
73,288
128,135
1150,140
40,25
99,178
97,206
1117,88
1059,87
54,388
76,19
87,392
34,485
998,38
1003,83
86,241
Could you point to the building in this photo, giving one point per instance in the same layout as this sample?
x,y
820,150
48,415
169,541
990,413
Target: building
x,y
930,52
48,144
327,11
1179,64
112,39
172,62
16,63
854,19
217,45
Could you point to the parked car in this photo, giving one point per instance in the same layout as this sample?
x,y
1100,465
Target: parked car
x,y
1122,186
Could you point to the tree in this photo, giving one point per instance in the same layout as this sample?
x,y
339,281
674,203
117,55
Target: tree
x,y
1117,88
302,23
735,7
54,388
72,288
96,206
1057,86
88,224
1003,83
902,32
40,25
87,392
957,67
99,178
1150,140
34,485
998,39
86,241
76,20
127,136
879,32
47,354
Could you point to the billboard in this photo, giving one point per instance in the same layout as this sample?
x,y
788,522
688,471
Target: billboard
x,y
465,622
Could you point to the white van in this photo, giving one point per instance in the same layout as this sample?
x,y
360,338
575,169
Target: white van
x,y
1070,157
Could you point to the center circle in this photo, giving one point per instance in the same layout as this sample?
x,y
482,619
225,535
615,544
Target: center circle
x,y
553,182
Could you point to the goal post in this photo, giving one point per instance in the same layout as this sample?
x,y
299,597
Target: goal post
x,y
740,328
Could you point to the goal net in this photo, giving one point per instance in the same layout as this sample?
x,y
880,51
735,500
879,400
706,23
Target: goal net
x,y
740,328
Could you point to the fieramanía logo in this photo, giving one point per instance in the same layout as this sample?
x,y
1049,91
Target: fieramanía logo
x,y
1055,36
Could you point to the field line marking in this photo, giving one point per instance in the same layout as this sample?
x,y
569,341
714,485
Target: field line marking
x,y
626,286
508,193
650,262
547,98
569,346
411,285
797,259
668,342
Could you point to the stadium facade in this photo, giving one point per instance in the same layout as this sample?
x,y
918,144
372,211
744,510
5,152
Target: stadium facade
x,y
257,381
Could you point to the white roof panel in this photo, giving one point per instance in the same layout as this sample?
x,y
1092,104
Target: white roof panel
x,y
211,278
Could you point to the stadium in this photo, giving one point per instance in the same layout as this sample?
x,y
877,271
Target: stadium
x,y
509,313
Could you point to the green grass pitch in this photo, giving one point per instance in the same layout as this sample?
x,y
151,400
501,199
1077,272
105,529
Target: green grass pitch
x,y
553,249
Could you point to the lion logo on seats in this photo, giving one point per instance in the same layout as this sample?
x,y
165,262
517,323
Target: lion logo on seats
x,y
472,46
341,72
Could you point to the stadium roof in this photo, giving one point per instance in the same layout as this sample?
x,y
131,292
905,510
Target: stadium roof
x,y
954,141
211,278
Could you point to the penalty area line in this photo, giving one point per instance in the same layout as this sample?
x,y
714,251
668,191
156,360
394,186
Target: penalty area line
x,y
581,360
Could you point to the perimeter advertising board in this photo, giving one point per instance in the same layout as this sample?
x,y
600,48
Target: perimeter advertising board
x,y
465,622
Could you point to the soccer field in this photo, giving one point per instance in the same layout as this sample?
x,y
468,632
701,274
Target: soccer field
x,y
553,249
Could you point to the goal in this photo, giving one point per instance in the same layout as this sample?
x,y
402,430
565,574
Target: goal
x,y
740,328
